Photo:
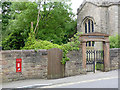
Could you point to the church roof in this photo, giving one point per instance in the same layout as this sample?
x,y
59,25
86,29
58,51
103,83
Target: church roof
x,y
102,1
99,3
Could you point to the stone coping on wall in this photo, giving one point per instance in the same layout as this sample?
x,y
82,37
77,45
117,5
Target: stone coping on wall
x,y
44,50
115,49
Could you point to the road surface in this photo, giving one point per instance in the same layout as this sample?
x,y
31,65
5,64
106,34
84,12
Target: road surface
x,y
110,82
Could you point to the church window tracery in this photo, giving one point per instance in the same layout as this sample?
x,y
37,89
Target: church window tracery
x,y
89,27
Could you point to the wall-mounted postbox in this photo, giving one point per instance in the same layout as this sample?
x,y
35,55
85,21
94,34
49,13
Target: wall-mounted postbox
x,y
18,65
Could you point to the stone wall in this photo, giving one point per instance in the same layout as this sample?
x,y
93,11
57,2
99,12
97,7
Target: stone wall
x,y
114,58
34,64
74,65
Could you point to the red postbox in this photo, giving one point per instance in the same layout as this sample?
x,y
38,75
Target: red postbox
x,y
18,65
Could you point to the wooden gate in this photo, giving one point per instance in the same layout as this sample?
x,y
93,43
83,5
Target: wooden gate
x,y
55,67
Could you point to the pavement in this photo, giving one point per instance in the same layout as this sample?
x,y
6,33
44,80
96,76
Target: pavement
x,y
42,83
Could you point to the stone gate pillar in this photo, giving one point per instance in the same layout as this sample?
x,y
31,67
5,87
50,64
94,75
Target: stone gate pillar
x,y
106,56
84,55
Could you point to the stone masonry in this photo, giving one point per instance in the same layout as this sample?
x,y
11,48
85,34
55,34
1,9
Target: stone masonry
x,y
34,64
74,66
104,13
114,58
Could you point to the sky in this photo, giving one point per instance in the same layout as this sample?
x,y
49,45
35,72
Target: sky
x,y
75,5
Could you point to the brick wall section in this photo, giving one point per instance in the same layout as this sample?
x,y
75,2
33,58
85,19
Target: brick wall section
x,y
34,65
114,58
74,66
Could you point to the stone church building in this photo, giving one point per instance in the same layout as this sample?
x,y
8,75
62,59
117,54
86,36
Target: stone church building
x,y
99,16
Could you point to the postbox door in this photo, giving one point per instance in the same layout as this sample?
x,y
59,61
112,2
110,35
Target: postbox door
x,y
18,65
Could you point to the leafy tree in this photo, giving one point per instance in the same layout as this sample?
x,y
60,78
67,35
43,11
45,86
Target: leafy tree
x,y
13,41
54,21
0,24
22,14
5,17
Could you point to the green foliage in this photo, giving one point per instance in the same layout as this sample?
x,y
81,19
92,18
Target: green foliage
x,y
114,41
39,44
0,16
31,39
56,23
73,45
22,13
5,16
12,42
56,26
99,66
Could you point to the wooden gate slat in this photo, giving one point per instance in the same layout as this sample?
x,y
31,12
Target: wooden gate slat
x,y
55,67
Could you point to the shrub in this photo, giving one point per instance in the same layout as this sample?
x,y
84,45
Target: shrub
x,y
39,44
114,41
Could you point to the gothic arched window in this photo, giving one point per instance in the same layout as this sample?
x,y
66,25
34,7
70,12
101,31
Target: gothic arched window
x,y
89,27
